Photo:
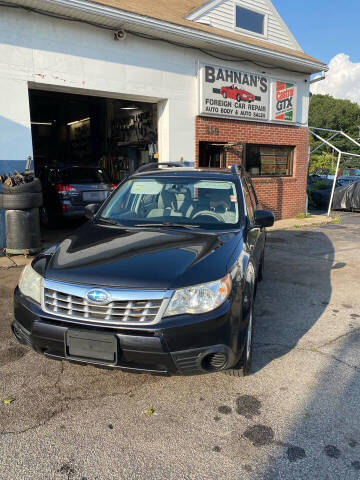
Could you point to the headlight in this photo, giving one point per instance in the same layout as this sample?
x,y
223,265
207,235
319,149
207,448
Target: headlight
x,y
200,298
30,284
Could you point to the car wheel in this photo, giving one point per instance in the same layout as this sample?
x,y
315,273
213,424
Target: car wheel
x,y
224,95
238,98
243,367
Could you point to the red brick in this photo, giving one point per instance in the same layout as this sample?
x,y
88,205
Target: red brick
x,y
285,196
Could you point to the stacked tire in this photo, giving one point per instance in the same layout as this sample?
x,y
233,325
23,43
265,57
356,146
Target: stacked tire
x,y
21,204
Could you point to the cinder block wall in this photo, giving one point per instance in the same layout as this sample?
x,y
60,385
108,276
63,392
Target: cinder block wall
x,y
285,196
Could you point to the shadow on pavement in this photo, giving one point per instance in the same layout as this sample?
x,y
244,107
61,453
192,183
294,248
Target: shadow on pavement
x,y
320,436
295,292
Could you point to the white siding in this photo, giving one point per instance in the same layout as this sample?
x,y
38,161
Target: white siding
x,y
222,16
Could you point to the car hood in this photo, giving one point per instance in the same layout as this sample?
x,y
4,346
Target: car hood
x,y
141,258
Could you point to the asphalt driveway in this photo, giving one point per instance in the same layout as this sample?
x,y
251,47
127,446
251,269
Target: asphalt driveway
x,y
296,417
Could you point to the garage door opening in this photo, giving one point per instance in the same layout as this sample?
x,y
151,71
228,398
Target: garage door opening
x,y
84,146
68,129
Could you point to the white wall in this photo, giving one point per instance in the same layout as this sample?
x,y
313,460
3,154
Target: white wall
x,y
15,131
223,16
53,54
62,55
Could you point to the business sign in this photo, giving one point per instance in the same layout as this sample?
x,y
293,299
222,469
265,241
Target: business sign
x,y
284,101
230,93
226,92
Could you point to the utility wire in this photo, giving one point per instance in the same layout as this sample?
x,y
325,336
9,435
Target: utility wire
x,y
147,37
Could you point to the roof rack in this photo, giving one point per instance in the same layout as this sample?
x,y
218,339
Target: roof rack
x,y
153,165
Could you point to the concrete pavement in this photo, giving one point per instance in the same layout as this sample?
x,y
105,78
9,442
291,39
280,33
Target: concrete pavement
x,y
295,417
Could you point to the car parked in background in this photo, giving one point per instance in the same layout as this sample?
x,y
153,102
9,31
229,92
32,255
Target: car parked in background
x,y
162,279
237,94
345,180
319,190
347,197
67,191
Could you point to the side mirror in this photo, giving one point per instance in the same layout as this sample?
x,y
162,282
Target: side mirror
x,y
90,210
263,218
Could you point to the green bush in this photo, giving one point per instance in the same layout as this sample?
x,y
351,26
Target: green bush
x,y
322,164
321,185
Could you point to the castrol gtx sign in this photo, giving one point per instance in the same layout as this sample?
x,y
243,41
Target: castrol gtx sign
x,y
284,102
230,93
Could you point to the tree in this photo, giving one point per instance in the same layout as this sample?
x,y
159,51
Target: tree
x,y
328,112
322,164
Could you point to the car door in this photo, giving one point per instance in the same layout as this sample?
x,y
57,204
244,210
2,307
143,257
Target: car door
x,y
254,235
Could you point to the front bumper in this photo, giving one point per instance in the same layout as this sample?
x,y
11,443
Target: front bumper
x,y
181,345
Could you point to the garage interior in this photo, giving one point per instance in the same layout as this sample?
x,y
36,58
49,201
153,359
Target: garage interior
x,y
116,135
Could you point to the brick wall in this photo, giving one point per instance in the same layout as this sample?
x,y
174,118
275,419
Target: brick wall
x,y
285,196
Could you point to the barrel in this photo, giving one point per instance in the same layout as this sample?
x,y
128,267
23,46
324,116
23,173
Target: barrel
x,y
22,231
22,220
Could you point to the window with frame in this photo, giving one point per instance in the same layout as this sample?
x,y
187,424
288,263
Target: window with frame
x,y
248,202
252,192
269,160
250,20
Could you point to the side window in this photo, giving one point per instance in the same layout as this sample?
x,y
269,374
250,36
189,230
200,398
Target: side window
x,y
252,192
248,202
147,203
147,200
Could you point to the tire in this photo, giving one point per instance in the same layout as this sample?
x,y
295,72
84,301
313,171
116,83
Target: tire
x,y
22,201
238,98
224,95
31,187
243,367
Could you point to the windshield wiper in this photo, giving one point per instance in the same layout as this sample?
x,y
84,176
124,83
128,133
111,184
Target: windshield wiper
x,y
109,221
167,224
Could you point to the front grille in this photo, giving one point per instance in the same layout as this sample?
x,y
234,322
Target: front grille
x,y
116,312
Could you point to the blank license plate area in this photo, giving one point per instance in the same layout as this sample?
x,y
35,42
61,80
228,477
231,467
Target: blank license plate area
x,y
91,346
94,196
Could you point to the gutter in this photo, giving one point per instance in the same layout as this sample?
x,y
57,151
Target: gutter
x,y
194,35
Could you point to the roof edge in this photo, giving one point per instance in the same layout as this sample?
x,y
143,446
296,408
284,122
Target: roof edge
x,y
199,11
306,63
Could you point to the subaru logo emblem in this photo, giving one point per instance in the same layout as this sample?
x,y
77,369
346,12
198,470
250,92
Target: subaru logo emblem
x,y
100,297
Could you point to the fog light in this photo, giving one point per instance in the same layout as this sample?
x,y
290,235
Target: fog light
x,y
214,361
17,334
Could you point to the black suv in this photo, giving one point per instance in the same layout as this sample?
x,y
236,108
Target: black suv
x,y
161,279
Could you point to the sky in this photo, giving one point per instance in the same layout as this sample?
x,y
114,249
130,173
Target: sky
x,y
328,30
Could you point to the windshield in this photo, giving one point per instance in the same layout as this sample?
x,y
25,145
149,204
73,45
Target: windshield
x,y
209,204
84,175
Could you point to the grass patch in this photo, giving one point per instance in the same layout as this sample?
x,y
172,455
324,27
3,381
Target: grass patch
x,y
336,220
297,226
301,216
